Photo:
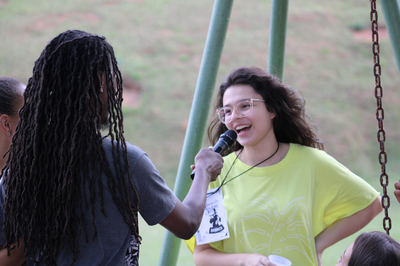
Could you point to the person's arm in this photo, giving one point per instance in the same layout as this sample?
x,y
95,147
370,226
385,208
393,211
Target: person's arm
x,y
17,255
346,227
205,255
186,217
397,190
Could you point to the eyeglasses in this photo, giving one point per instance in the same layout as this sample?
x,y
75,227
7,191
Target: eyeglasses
x,y
243,108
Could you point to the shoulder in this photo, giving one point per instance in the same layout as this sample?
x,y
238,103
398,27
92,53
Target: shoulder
x,y
311,154
306,150
132,150
318,160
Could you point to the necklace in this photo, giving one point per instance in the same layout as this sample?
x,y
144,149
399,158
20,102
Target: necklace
x,y
223,181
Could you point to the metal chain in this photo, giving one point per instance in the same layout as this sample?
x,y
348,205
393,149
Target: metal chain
x,y
384,178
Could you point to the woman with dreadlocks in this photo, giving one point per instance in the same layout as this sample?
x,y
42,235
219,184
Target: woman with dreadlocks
x,y
11,100
72,193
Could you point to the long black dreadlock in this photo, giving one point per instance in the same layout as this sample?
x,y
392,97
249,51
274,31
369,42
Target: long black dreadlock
x,y
57,150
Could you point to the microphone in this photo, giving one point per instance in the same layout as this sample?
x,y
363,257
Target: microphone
x,y
224,142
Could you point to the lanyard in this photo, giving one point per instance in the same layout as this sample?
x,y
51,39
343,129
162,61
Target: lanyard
x,y
226,182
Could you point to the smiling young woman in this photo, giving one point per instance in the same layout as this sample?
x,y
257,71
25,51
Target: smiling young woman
x,y
281,192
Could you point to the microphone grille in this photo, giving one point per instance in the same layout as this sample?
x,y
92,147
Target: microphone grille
x,y
230,135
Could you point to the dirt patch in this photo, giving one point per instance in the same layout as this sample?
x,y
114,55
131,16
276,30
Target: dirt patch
x,y
131,92
51,21
365,35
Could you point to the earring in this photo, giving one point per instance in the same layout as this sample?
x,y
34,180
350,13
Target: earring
x,y
101,89
9,132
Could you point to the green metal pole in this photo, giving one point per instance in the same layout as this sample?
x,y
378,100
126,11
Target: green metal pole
x,y
277,37
391,14
198,115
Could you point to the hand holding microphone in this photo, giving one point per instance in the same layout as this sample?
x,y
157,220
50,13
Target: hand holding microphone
x,y
224,142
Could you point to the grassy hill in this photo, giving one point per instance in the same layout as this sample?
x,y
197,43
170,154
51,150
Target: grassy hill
x,y
159,46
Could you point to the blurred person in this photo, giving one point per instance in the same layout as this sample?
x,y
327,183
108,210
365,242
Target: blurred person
x,y
371,249
281,192
397,190
73,194
11,100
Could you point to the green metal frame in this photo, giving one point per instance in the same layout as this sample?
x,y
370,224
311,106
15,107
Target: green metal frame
x,y
391,14
198,115
277,38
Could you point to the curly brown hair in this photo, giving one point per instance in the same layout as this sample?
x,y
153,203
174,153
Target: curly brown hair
x,y
291,124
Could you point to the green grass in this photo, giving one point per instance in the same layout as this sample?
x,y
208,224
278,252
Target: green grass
x,y
159,45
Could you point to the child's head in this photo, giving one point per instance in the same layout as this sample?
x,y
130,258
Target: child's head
x,y
11,100
11,95
371,249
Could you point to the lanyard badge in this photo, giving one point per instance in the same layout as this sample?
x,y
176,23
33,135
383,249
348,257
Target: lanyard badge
x,y
214,225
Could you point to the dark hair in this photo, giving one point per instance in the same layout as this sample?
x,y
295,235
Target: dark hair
x,y
10,96
57,153
290,123
374,249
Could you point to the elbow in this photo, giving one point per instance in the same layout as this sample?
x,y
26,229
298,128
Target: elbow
x,y
183,222
189,231
185,235
373,209
188,236
190,224
377,206
183,228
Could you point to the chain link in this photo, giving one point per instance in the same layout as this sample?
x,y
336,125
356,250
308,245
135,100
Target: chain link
x,y
380,114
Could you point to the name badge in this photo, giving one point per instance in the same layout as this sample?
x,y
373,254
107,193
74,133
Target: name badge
x,y
214,226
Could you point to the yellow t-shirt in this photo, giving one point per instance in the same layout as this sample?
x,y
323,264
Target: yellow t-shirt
x,y
280,209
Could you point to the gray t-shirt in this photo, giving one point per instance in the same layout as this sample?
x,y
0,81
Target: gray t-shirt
x,y
114,238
